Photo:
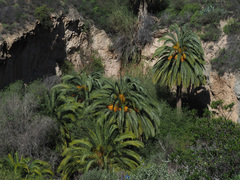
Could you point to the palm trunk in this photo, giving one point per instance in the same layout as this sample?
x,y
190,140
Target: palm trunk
x,y
143,11
142,14
179,98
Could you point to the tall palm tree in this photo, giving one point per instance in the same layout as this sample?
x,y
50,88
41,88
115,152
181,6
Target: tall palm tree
x,y
104,148
180,61
126,104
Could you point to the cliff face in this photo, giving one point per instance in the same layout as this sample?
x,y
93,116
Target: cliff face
x,y
37,52
32,55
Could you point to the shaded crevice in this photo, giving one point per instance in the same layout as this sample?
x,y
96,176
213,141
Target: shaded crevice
x,y
34,55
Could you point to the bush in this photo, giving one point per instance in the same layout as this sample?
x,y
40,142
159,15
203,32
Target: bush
x,y
208,15
114,16
232,27
228,59
214,153
190,8
154,172
98,174
95,64
42,13
22,129
211,33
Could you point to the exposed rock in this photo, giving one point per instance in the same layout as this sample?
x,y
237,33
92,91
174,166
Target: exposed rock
x,y
101,44
224,88
36,52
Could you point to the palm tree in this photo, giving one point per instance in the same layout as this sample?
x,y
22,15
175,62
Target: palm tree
x,y
104,148
26,167
67,100
180,61
80,85
126,104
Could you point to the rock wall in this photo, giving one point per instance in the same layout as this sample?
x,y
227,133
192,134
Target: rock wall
x,y
36,52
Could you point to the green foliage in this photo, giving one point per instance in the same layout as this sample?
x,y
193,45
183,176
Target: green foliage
x,y
98,174
42,13
95,64
127,104
174,128
190,8
211,33
6,175
25,166
227,59
208,15
154,172
177,5
66,67
214,150
114,16
224,110
236,178
105,148
232,27
66,101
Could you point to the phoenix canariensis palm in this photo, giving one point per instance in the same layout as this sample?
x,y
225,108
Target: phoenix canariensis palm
x,y
80,85
126,104
104,148
67,100
26,167
180,61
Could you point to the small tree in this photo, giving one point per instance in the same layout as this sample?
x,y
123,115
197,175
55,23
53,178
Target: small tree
x,y
42,13
105,148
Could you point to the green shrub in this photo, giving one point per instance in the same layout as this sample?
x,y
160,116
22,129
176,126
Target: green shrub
x,y
154,172
114,16
207,16
98,174
214,153
190,8
211,33
228,59
42,13
7,175
232,27
177,5
236,177
66,67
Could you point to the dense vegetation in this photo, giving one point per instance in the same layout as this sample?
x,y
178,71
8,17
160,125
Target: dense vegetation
x,y
85,126
91,127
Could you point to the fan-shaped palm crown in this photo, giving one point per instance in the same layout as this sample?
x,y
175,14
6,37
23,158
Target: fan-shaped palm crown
x,y
180,59
126,104
105,148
